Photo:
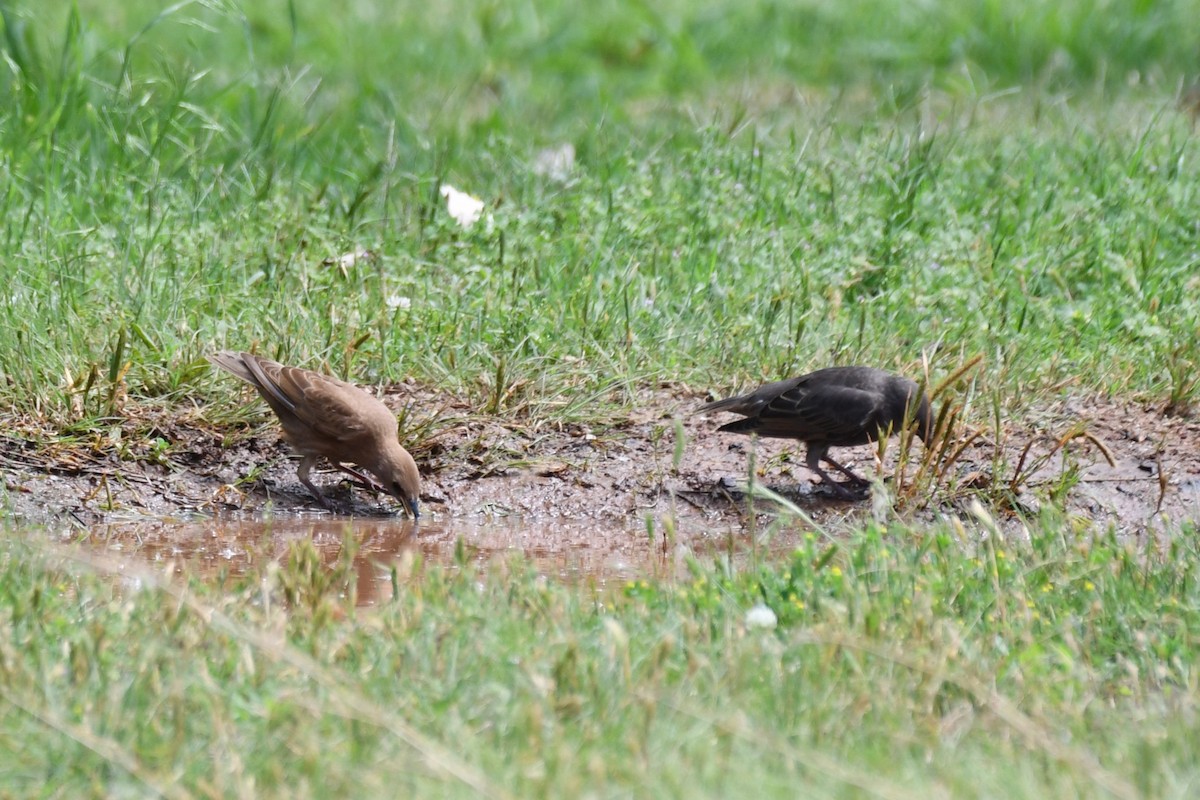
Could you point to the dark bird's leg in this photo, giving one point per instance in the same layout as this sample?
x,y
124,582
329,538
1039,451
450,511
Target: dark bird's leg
x,y
306,464
813,462
845,471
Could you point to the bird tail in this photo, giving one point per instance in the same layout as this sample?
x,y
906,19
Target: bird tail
x,y
232,363
720,405
747,425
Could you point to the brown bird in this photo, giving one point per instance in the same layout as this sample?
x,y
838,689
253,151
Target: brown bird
x,y
834,407
322,416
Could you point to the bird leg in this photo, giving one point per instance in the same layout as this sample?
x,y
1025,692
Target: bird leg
x,y
845,471
366,480
306,464
813,462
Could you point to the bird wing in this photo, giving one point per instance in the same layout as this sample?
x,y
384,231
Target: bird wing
x,y
815,411
331,408
264,375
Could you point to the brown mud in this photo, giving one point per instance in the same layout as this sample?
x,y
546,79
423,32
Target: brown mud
x,y
583,498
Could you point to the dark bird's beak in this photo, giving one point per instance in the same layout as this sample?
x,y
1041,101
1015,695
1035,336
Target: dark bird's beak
x,y
414,508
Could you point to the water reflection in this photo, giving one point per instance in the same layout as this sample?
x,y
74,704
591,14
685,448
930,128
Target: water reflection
x,y
217,549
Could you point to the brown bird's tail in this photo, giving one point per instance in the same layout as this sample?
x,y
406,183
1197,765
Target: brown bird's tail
x,y
232,363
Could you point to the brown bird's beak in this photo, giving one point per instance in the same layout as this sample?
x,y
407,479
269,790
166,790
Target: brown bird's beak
x,y
410,501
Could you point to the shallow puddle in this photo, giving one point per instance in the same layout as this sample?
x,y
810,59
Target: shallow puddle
x,y
571,550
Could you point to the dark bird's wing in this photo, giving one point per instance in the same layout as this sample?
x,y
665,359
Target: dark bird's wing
x,y
830,412
749,405
815,411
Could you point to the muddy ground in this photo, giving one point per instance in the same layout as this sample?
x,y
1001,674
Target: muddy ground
x,y
154,465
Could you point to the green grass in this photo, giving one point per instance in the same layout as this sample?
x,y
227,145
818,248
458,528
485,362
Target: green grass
x,y
904,662
749,201
761,188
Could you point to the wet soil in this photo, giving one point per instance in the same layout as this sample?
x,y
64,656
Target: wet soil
x,y
387,551
600,493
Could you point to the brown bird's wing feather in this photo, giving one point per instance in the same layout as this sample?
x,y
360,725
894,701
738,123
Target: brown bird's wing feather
x,y
317,404
313,408
333,409
264,375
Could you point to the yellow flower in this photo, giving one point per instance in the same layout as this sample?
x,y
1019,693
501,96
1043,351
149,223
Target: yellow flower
x,y
1089,586
835,571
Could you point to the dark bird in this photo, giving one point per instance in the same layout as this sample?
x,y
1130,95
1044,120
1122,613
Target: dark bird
x,y
834,407
325,417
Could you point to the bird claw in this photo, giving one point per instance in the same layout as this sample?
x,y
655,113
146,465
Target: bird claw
x,y
840,491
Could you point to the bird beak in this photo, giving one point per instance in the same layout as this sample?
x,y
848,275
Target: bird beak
x,y
414,508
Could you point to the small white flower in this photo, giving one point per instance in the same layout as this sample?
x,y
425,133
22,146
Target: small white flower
x,y
396,301
347,260
761,616
555,163
353,257
465,209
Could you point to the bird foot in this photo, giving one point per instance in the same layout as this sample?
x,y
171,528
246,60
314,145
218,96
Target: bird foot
x,y
325,504
839,490
321,499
